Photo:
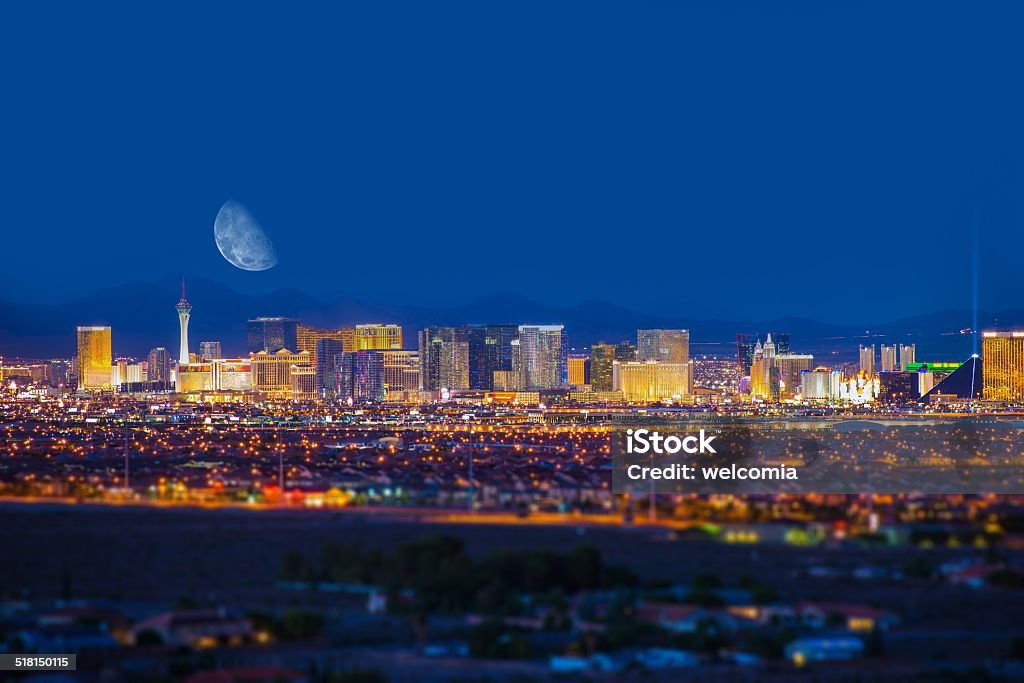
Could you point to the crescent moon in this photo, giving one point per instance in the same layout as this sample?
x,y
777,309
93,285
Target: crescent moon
x,y
241,240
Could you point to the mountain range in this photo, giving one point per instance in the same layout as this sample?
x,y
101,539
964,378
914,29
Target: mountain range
x,y
142,316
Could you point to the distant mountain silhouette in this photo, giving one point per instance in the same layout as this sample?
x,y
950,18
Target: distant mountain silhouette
x,y
142,316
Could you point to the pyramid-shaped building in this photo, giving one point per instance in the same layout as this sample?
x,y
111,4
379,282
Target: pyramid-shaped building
x,y
964,382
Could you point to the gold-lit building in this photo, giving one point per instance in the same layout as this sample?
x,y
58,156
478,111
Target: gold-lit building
x,y
774,376
308,337
601,358
401,371
378,337
790,366
95,367
303,381
596,397
506,380
219,374
651,381
193,377
578,370
1002,355
667,346
272,372
232,374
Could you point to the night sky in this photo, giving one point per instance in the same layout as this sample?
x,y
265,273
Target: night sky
x,y
831,160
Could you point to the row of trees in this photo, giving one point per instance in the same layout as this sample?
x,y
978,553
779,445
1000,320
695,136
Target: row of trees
x,y
442,577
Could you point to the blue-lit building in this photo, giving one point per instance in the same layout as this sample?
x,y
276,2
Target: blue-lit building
x,y
361,376
328,355
271,334
490,350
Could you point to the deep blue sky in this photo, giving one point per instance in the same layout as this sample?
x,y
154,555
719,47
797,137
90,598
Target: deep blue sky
x,y
707,158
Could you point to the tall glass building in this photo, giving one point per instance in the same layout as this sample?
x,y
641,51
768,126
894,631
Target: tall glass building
x,y
327,358
271,334
444,358
540,362
601,358
1003,353
667,346
361,376
95,360
158,365
490,350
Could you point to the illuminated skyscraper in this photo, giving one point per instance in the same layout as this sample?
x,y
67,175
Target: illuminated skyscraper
x,y
664,346
867,360
601,357
184,310
271,372
377,336
782,342
158,365
119,371
444,358
667,346
579,369
490,351
328,357
94,357
58,373
820,384
888,358
773,375
401,371
361,376
368,382
790,366
1003,356
303,382
651,381
908,355
307,338
744,353
541,360
271,334
760,369
209,350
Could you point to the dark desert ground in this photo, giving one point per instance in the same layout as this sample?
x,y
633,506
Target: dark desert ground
x,y
234,557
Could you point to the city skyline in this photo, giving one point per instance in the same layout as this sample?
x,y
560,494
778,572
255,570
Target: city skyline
x,y
289,360
393,342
